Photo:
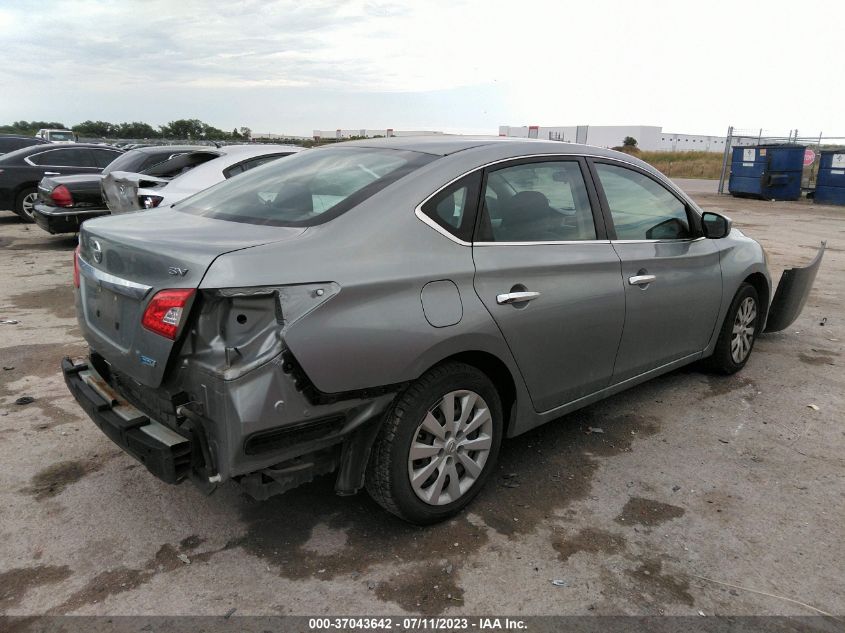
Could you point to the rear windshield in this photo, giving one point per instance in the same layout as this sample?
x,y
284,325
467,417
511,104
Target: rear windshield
x,y
139,161
305,189
60,136
180,164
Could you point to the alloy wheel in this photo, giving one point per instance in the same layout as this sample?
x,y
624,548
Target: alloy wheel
x,y
742,336
450,447
28,205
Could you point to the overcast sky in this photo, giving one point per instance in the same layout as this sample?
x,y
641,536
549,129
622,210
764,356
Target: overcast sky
x,y
292,67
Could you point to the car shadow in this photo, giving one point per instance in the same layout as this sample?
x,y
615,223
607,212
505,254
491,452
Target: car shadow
x,y
311,533
45,242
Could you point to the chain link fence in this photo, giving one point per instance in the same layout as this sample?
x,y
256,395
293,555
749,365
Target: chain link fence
x,y
744,138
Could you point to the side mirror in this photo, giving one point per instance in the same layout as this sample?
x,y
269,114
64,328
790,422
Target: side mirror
x,y
715,226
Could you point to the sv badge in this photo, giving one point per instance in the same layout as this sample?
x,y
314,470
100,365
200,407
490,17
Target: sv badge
x,y
177,272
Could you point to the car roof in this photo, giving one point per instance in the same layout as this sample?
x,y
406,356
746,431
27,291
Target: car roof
x,y
255,148
443,145
155,149
50,147
34,139
439,145
40,148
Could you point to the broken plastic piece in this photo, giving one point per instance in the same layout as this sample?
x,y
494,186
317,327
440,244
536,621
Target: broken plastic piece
x,y
792,292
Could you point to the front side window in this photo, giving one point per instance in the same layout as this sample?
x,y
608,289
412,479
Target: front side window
x,y
641,208
307,188
537,202
453,209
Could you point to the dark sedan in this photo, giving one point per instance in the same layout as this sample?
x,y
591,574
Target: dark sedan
x,y
65,202
12,142
21,170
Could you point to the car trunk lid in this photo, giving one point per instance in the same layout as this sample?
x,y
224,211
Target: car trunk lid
x,y
84,188
124,261
120,189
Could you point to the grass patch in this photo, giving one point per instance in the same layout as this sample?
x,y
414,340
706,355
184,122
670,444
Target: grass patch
x,y
685,164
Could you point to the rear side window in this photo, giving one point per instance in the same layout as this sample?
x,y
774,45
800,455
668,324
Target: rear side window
x,y
537,202
642,208
453,209
103,157
307,188
252,163
71,157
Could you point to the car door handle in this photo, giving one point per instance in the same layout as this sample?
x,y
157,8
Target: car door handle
x,y
640,280
52,173
516,297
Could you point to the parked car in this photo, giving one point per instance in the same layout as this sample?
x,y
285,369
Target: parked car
x,y
64,202
12,142
21,171
184,175
57,136
392,310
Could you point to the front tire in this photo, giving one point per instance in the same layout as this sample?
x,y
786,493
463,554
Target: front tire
x,y
25,204
437,445
738,333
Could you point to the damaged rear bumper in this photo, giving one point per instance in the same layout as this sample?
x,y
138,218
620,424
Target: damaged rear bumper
x,y
259,430
792,292
165,453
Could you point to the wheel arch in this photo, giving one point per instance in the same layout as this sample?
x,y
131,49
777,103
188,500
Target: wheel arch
x,y
759,282
498,373
19,189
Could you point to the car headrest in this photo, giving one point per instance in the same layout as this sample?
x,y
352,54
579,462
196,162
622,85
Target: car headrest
x,y
525,206
295,195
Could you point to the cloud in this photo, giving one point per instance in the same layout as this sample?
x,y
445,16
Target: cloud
x,y
681,65
345,45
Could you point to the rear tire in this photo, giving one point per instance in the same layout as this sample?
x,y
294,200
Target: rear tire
x,y
739,332
25,203
424,467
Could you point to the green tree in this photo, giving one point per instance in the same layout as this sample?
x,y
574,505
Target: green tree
x,y
95,129
136,129
29,128
246,133
629,141
184,128
214,134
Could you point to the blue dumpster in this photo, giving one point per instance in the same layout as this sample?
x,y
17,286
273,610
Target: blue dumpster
x,y
830,184
772,172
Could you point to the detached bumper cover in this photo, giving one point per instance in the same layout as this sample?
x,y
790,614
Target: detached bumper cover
x,y
165,453
59,220
792,292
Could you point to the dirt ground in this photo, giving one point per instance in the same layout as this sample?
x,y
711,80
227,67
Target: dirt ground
x,y
703,493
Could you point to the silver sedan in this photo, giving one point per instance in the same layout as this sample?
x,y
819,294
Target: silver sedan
x,y
391,310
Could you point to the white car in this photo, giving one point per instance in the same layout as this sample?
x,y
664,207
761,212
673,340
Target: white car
x,y
57,136
184,175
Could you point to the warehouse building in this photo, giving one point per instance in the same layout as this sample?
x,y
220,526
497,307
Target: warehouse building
x,y
649,137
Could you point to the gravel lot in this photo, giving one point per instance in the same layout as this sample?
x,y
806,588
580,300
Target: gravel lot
x,y
703,493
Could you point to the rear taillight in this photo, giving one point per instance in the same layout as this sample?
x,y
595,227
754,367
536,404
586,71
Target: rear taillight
x,y
165,311
61,196
76,267
150,202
